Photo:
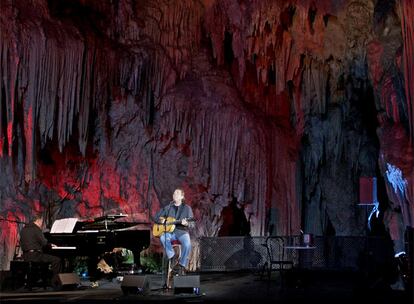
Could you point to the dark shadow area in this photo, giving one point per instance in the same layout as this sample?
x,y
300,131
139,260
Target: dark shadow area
x,y
350,270
235,222
228,48
235,287
247,257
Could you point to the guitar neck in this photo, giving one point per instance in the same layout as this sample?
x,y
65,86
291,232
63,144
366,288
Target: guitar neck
x,y
175,222
179,221
169,223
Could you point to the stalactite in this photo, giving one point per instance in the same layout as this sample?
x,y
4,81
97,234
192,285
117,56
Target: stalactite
x,y
303,60
164,112
11,238
65,80
222,150
407,27
9,66
314,81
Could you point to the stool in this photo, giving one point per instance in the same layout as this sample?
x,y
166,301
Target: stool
x,y
166,263
177,247
30,273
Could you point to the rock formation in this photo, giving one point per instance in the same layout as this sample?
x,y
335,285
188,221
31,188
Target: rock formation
x,y
107,106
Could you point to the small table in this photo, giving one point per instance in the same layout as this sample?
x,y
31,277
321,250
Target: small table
x,y
302,274
305,256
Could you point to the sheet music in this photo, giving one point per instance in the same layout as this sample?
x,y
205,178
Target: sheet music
x,y
65,225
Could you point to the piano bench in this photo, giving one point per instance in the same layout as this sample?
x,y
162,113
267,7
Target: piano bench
x,y
30,274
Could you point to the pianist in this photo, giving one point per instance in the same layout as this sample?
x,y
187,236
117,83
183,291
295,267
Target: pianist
x,y
32,242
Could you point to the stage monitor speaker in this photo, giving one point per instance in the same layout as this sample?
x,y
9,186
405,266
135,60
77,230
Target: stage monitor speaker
x,y
68,280
134,284
187,284
367,190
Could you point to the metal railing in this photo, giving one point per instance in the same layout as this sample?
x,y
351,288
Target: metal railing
x,y
331,253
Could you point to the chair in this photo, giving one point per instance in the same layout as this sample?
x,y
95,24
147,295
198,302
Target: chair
x,y
276,258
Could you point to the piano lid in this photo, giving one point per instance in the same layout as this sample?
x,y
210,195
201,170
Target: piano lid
x,y
109,217
106,225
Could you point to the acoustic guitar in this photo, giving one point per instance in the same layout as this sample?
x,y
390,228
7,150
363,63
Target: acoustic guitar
x,y
168,226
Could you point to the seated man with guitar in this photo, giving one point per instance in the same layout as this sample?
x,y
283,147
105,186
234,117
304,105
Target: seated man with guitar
x,y
173,224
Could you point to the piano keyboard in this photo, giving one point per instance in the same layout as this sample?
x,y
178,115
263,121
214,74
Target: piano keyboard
x,y
64,247
88,231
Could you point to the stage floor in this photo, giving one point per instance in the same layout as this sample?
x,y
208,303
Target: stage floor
x,y
236,287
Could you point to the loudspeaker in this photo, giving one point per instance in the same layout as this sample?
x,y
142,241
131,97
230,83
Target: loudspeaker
x,y
134,284
68,280
367,190
187,284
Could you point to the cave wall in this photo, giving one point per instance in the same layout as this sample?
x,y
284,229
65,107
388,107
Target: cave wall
x,y
108,106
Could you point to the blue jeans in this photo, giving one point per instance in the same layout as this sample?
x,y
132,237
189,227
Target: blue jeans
x,y
185,241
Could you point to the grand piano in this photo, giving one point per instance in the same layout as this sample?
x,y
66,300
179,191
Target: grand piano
x,y
100,235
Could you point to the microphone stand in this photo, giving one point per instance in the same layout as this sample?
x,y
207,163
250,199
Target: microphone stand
x,y
165,247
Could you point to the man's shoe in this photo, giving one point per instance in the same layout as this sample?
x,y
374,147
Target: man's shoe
x,y
176,269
